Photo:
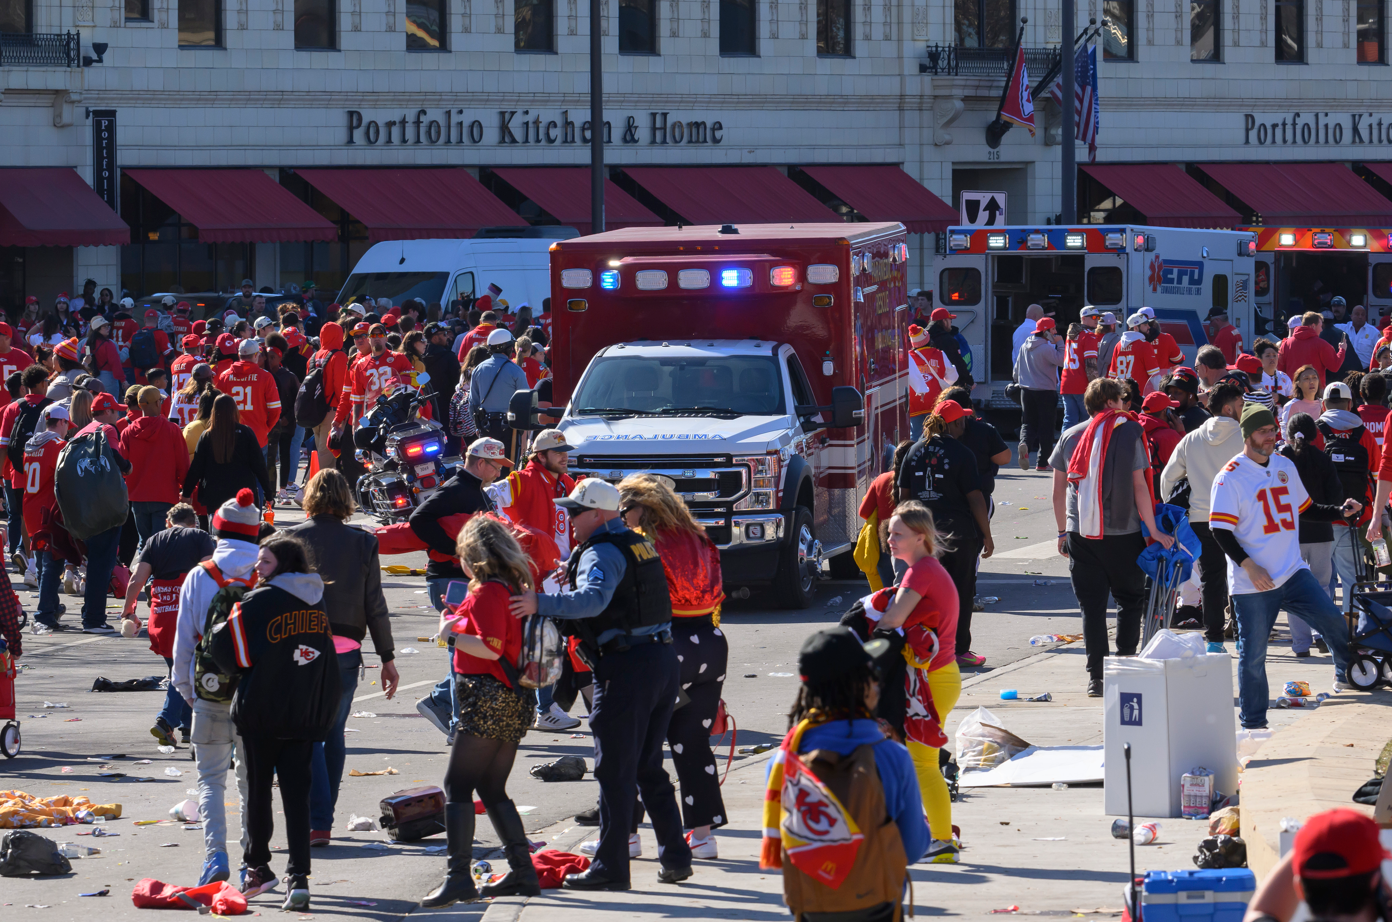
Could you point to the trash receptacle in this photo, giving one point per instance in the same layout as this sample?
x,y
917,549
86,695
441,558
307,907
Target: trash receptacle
x,y
1178,715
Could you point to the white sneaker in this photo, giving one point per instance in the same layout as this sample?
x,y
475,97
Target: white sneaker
x,y
940,852
635,846
31,577
70,581
702,848
17,558
555,719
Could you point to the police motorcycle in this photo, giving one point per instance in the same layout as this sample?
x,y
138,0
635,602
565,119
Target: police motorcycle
x,y
404,454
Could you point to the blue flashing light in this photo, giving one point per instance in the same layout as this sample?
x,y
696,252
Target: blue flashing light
x,y
609,279
736,278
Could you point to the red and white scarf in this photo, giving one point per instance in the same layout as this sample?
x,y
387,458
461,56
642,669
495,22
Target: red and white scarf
x,y
1085,468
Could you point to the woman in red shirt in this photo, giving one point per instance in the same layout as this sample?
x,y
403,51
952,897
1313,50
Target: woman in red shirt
x,y
692,565
925,606
493,715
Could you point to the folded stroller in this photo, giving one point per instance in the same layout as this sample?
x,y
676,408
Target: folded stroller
x,y
1167,569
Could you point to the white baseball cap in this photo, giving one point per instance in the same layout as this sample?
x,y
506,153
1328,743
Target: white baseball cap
x,y
1338,390
263,322
1137,319
248,347
1108,318
591,493
56,411
492,450
551,440
1090,311
1148,311
99,321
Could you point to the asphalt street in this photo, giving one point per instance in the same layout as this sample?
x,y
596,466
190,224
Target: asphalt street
x,y
81,748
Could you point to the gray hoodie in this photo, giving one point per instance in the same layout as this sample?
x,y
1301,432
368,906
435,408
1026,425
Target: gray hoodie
x,y
307,587
1199,457
1037,366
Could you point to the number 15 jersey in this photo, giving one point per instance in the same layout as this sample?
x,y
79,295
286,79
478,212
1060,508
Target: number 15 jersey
x,y
1260,504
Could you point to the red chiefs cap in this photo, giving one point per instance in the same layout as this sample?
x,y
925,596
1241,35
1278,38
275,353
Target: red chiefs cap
x,y
1043,323
199,326
227,344
1157,402
103,403
1338,843
950,411
942,313
1249,364
6,330
191,341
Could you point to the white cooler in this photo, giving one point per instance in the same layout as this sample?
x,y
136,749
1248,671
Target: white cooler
x,y
1178,715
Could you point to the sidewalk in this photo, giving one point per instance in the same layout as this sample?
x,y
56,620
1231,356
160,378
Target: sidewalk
x,y
1037,848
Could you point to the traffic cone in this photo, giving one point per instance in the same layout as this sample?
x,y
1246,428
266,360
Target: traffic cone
x,y
313,465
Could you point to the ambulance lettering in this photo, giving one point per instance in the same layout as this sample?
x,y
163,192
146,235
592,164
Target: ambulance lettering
x,y
1176,276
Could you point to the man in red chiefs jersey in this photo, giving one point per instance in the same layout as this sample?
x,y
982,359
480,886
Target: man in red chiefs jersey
x,y
258,398
1079,366
182,367
11,360
1167,351
375,373
40,461
1134,357
1226,337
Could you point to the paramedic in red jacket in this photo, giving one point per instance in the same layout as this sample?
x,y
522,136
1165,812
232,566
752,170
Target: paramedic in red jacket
x,y
159,461
334,362
1304,347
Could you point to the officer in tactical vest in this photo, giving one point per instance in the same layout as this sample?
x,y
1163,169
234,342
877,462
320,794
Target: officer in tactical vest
x,y
619,607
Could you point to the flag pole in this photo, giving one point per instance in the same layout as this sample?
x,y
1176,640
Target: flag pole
x,y
1068,214
999,126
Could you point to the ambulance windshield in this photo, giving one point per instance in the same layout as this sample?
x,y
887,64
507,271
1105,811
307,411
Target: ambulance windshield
x,y
733,385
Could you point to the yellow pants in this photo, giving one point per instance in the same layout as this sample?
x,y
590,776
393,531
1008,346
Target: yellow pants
x,y
946,685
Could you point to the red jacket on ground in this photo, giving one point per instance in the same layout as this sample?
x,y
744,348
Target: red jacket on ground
x,y
1304,347
159,460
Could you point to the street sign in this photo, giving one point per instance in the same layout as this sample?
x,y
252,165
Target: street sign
x,y
983,209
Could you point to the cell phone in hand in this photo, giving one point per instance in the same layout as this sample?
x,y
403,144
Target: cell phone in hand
x,y
455,593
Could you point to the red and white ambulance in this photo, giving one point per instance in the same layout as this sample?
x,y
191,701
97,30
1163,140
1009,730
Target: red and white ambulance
x,y
760,368
989,277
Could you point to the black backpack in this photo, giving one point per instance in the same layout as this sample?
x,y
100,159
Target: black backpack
x,y
28,421
1345,448
311,402
143,352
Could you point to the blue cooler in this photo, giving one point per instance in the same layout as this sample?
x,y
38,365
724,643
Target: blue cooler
x,y
1197,896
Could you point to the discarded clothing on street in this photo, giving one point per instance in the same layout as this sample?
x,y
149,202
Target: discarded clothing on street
x,y
553,866
1221,852
1368,792
221,897
566,768
19,810
23,853
149,683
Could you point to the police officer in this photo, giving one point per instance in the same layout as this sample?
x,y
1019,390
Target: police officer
x,y
493,384
619,607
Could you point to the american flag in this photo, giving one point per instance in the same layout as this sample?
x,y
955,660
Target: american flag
x,y
1087,106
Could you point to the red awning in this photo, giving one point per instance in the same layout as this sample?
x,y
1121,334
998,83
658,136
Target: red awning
x,y
732,195
886,193
236,206
414,204
1166,195
54,207
564,193
1303,194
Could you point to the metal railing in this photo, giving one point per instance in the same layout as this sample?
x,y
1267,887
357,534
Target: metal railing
x,y
35,49
961,61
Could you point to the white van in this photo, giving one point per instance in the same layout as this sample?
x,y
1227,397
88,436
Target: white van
x,y
516,260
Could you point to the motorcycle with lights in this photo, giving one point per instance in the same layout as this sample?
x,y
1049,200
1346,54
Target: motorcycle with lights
x,y
404,453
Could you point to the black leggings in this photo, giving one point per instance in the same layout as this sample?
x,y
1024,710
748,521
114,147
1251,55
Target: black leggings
x,y
1213,575
479,764
279,455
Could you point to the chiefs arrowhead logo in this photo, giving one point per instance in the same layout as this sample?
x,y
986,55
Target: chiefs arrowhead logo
x,y
303,655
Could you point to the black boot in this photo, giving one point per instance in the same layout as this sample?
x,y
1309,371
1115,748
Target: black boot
x,y
459,878
522,879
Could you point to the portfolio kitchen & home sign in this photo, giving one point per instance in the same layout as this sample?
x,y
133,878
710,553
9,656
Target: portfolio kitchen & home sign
x,y
514,126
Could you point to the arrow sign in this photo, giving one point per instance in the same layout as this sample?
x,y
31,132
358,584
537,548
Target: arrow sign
x,y
982,209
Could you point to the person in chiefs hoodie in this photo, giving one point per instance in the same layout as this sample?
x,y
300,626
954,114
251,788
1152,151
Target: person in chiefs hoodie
x,y
1304,347
159,461
1163,430
334,362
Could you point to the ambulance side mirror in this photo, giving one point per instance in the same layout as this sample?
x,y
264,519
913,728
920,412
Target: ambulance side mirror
x,y
523,412
847,407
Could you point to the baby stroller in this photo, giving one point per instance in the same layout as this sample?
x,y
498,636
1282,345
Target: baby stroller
x,y
1370,628
9,733
1167,569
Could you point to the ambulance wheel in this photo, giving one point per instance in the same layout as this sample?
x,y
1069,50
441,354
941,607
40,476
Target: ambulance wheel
x,y
796,580
1364,673
9,740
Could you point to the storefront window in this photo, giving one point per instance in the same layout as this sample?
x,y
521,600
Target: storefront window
x,y
426,22
532,29
12,280
314,25
834,28
166,255
1204,17
638,26
329,262
15,16
137,10
985,23
1118,15
1372,40
737,27
960,287
1290,31
200,23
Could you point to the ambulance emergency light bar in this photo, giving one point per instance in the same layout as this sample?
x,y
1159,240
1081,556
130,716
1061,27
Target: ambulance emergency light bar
x,y
1374,240
1077,239
729,277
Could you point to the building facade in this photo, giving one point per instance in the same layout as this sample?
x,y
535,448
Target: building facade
x,y
286,88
